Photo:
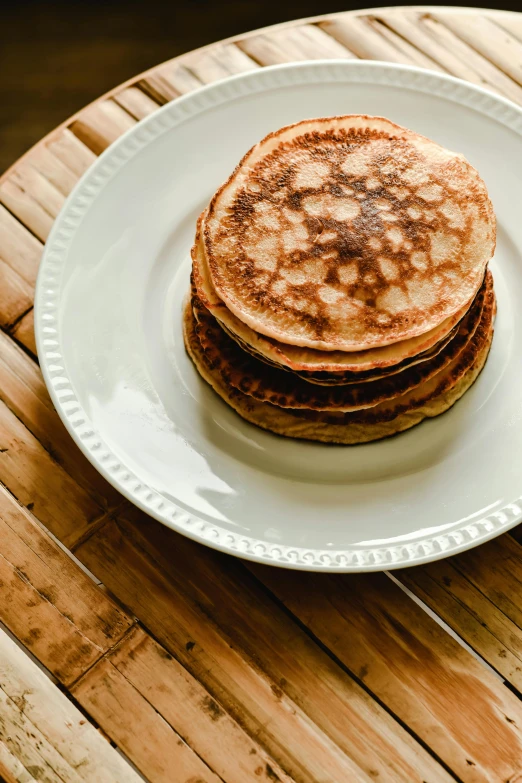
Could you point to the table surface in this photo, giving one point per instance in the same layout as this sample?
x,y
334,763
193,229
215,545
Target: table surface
x,y
128,652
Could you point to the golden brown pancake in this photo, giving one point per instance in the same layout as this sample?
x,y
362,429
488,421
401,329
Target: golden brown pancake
x,y
309,359
253,378
430,399
348,234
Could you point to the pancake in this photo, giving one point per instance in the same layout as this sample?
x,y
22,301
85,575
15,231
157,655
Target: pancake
x,y
286,390
309,359
348,234
429,400
344,378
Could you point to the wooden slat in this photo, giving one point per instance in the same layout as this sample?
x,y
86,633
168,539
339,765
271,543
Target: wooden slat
x,y
413,666
16,295
11,769
41,484
209,65
23,331
46,732
52,169
304,42
148,740
65,146
169,713
100,124
512,23
473,66
169,82
29,180
48,602
18,248
318,717
25,208
493,42
23,390
479,598
409,28
370,40
136,102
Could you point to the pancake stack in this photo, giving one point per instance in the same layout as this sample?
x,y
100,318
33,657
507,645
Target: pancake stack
x,y
339,287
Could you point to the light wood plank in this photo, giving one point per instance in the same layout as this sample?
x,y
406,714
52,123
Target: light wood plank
x,y
65,146
100,124
165,704
370,40
41,484
413,666
303,42
136,102
216,620
218,62
48,602
23,331
127,718
29,180
16,295
494,43
48,734
23,390
474,67
471,613
409,27
511,23
11,769
18,248
168,82
52,169
25,208
192,712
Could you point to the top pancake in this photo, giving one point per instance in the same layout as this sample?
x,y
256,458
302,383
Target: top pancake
x,y
348,233
302,359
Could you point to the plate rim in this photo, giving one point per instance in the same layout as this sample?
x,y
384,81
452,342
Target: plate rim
x,y
48,291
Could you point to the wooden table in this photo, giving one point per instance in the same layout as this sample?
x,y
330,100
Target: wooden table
x,y
139,650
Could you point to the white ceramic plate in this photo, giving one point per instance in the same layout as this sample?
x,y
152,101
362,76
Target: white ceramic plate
x,y
108,324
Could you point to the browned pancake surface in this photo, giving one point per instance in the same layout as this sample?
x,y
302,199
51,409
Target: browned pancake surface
x,y
256,379
429,400
347,234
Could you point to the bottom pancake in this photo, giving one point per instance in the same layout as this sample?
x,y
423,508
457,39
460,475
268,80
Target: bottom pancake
x,y
382,421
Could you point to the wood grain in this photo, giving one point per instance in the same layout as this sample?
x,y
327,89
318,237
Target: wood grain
x,y
136,102
217,621
25,208
23,332
486,37
100,124
370,40
23,390
16,296
140,671
41,484
169,82
148,740
47,734
68,149
220,61
469,603
304,42
19,249
48,602
413,666
451,52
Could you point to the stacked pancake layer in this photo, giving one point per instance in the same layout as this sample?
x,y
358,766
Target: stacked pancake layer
x,y
340,289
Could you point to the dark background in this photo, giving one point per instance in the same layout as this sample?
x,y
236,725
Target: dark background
x,y
55,57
